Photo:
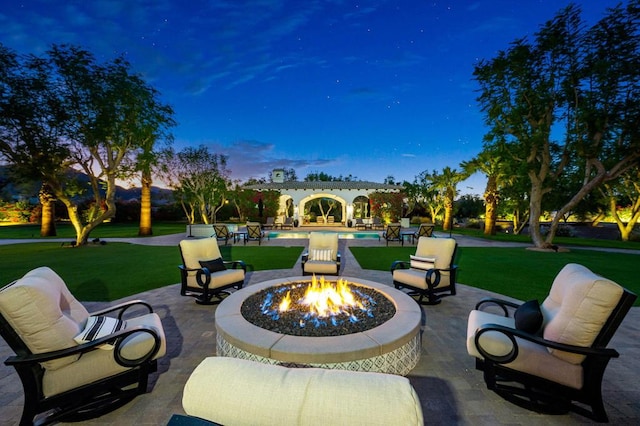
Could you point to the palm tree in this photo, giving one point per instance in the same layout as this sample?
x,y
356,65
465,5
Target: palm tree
x,y
491,165
448,182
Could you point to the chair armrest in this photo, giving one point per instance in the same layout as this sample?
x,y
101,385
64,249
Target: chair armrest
x,y
512,333
305,256
400,264
120,336
236,263
123,307
504,304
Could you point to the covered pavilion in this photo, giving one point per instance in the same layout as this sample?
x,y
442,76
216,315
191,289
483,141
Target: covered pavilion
x,y
352,196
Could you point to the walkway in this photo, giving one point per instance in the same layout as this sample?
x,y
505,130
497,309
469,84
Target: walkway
x,y
452,392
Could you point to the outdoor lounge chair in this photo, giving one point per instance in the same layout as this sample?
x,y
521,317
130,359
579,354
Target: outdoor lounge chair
x,y
392,233
75,365
203,273
222,233
359,224
425,230
376,223
254,233
431,272
556,352
270,223
322,257
288,223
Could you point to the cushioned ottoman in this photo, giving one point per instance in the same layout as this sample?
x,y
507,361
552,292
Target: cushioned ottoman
x,y
233,391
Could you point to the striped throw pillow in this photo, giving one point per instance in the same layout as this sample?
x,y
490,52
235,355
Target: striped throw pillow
x,y
422,262
100,326
324,255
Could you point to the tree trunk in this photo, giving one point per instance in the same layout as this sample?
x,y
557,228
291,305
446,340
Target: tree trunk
x,y
145,205
448,214
535,210
48,219
491,202
625,230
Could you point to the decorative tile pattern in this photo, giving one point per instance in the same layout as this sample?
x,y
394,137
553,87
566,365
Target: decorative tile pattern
x,y
399,361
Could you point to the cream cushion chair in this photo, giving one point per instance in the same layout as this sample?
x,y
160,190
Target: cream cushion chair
x,y
38,316
207,284
431,272
277,395
564,355
322,256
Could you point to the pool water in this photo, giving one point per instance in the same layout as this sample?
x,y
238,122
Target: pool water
x,y
343,235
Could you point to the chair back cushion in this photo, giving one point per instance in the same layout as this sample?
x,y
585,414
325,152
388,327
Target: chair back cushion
x,y
577,307
324,241
43,313
441,249
195,250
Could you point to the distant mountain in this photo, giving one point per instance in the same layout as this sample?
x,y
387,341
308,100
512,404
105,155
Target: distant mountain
x,y
10,191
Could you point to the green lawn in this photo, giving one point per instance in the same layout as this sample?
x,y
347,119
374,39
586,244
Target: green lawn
x,y
516,272
115,270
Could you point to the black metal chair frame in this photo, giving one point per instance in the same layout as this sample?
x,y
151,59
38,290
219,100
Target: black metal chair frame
x,y
542,395
425,230
88,401
254,233
432,293
222,233
392,233
205,295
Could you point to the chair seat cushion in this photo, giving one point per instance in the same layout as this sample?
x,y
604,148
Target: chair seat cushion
x,y
320,267
219,279
96,365
532,358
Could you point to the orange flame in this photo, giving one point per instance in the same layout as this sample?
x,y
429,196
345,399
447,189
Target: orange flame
x,y
325,298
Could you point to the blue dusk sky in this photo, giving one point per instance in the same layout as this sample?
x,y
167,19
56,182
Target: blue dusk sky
x,y
369,89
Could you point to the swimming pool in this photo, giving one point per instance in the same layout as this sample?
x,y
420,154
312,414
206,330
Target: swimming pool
x,y
343,235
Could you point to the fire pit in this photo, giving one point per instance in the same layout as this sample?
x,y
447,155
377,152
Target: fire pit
x,y
385,337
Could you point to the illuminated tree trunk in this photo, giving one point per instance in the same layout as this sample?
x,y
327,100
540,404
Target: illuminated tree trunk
x,y
48,220
145,206
491,203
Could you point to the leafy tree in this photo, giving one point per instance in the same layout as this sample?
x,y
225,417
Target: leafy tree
x,y
387,205
626,189
32,127
580,85
200,181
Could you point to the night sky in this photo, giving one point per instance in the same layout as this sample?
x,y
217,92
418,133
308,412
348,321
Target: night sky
x,y
369,89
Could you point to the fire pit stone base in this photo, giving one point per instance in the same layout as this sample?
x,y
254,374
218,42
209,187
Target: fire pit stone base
x,y
393,347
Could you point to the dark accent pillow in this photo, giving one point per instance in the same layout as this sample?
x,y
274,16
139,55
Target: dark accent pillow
x,y
528,317
214,265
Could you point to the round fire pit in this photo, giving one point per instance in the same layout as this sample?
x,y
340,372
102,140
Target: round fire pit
x,y
391,347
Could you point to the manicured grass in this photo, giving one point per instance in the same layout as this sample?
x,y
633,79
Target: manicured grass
x,y
115,270
515,272
105,230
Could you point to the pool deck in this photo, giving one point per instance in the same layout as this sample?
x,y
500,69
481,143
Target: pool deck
x,y
451,391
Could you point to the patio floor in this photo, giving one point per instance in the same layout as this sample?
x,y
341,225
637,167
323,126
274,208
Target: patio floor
x,y
451,391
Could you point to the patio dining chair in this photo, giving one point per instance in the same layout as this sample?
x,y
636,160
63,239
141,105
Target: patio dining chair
x,y
425,230
222,233
254,232
392,233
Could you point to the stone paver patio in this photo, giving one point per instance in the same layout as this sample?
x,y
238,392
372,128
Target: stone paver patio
x,y
451,391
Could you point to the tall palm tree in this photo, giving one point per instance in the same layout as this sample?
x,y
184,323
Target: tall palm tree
x,y
491,165
448,182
